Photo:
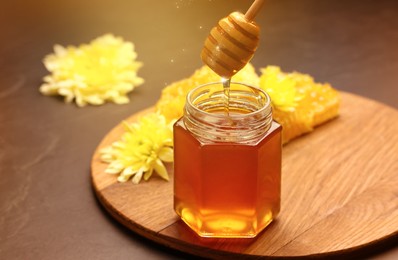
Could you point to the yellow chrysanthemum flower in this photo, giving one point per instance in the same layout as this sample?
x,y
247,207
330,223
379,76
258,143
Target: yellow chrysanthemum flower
x,y
141,150
104,70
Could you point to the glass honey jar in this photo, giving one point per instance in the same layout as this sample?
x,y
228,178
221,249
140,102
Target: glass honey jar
x,y
227,161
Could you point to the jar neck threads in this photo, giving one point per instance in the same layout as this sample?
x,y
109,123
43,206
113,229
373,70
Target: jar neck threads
x,y
247,117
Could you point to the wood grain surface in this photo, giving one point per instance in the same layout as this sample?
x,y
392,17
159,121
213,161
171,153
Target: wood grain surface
x,y
339,192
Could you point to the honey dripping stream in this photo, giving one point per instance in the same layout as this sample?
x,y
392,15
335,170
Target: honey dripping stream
x,y
226,88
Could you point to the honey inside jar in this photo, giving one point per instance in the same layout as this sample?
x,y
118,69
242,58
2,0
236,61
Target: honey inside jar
x,y
227,167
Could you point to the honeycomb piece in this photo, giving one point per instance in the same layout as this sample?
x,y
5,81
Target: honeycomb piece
x,y
310,103
323,100
293,124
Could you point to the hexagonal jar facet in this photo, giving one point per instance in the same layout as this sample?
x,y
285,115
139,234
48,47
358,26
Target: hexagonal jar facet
x,y
226,189
227,161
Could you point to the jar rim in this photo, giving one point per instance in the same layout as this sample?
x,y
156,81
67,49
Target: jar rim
x,y
266,106
250,119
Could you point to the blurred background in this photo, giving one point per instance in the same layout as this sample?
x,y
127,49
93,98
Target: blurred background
x,y
47,208
341,42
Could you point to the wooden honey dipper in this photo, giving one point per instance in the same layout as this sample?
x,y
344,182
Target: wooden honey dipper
x,y
232,43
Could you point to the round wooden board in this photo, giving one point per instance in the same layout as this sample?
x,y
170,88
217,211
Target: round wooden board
x,y
339,192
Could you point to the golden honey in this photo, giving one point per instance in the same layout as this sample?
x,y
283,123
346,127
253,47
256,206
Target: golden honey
x,y
227,170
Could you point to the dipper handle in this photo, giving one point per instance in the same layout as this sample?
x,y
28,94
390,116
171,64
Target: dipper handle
x,y
254,9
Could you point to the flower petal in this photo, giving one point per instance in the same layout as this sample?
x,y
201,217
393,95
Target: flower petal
x,y
129,171
112,170
148,174
122,178
137,177
166,154
161,169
